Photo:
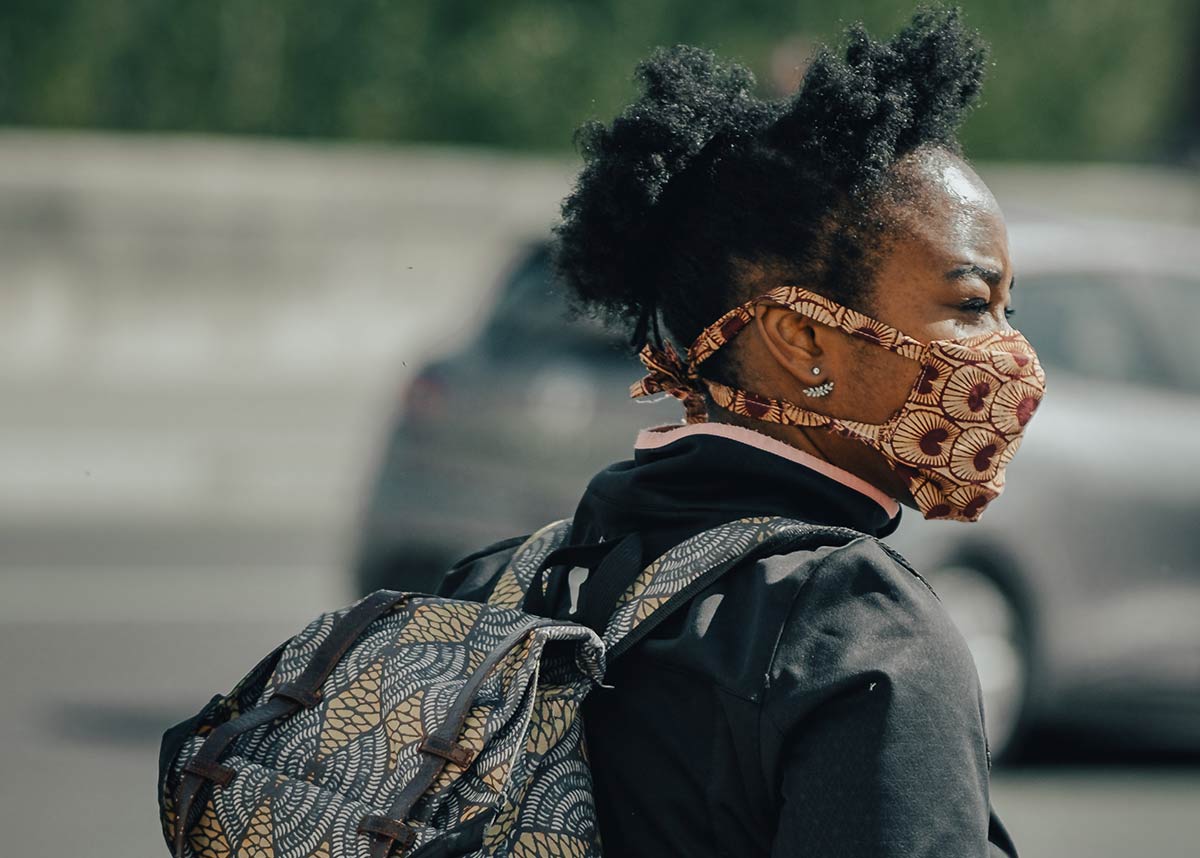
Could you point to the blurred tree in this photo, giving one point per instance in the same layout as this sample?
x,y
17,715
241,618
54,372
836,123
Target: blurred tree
x,y
1073,78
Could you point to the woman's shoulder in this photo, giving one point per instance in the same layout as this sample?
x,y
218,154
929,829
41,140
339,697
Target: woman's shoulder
x,y
820,612
873,697
861,614
865,573
771,613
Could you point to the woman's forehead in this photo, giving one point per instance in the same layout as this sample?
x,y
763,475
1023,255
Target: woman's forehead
x,y
932,176
948,214
953,179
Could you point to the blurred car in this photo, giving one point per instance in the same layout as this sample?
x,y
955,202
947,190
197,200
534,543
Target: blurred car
x,y
457,472
1078,592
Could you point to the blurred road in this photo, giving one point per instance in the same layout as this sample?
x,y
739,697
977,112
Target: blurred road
x,y
97,663
92,677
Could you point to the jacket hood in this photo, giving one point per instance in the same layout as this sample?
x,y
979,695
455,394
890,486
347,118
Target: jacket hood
x,y
685,478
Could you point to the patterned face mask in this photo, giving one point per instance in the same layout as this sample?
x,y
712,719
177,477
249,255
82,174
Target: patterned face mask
x,y
951,439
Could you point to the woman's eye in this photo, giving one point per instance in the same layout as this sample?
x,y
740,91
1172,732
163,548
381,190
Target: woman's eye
x,y
980,305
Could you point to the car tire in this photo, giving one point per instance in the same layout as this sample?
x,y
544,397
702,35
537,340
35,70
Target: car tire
x,y
996,627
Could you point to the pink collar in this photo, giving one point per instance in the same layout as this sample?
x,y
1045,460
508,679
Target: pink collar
x,y
657,436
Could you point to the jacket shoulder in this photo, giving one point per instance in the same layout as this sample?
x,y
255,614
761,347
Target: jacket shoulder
x,y
864,588
872,683
862,615
869,556
729,632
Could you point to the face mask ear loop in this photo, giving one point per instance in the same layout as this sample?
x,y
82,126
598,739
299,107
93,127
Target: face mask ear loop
x,y
826,311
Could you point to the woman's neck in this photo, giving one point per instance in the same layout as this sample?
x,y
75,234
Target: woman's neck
x,y
844,453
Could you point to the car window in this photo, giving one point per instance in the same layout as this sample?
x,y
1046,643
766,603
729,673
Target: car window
x,y
1172,305
1088,325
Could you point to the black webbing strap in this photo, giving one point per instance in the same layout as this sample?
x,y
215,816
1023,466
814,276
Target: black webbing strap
x,y
553,566
613,566
289,698
599,594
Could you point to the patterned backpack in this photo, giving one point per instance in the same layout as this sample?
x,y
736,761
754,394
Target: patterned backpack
x,y
423,726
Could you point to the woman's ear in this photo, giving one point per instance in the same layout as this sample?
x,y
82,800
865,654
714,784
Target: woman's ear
x,y
791,339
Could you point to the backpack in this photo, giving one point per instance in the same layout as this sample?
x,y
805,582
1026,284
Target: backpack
x,y
425,726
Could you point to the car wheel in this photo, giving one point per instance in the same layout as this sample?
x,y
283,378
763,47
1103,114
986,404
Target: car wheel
x,y
997,634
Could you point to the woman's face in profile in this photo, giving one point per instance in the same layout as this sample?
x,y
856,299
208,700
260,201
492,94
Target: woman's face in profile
x,y
947,272
943,272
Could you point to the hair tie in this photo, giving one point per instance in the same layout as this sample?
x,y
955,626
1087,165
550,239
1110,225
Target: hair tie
x,y
668,374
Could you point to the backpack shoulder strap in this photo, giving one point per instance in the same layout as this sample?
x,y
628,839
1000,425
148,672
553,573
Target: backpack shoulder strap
x,y
681,571
516,578
693,564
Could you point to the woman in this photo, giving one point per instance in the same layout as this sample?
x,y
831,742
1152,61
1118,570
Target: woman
x,y
810,251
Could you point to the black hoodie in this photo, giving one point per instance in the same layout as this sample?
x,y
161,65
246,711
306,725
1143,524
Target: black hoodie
x,y
816,703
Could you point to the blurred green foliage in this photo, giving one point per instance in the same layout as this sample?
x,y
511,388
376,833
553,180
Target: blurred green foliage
x,y
1089,79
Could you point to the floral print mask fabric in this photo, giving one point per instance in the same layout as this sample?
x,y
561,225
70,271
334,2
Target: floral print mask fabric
x,y
960,425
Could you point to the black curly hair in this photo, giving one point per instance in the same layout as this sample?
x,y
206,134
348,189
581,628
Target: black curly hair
x,y
699,187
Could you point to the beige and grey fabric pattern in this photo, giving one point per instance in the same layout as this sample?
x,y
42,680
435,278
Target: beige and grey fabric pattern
x,y
660,581
674,571
303,784
320,779
515,580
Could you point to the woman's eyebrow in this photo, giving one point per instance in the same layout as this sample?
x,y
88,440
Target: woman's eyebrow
x,y
990,276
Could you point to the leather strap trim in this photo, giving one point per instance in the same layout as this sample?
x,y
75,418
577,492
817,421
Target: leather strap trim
x,y
452,751
447,735
308,698
343,635
387,829
214,772
286,701
216,743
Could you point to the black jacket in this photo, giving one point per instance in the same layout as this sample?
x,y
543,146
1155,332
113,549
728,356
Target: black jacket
x,y
817,703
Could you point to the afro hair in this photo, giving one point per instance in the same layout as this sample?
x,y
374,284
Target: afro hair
x,y
699,178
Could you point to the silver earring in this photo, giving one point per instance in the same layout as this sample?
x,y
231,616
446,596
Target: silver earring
x,y
816,370
820,390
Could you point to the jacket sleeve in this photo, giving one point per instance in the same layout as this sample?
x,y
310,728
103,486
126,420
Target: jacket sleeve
x,y
872,724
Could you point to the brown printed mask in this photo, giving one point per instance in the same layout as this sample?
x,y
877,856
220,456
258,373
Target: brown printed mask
x,y
951,439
